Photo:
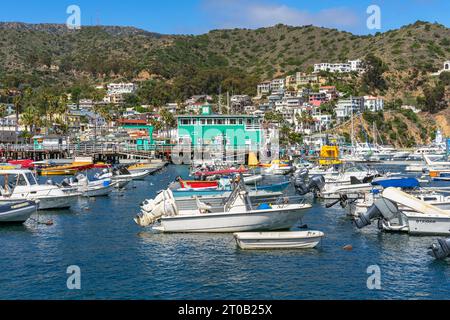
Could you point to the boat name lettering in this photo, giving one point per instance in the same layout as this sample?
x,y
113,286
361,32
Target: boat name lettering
x,y
426,221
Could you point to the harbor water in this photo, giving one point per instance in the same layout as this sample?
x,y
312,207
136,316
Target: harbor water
x,y
120,260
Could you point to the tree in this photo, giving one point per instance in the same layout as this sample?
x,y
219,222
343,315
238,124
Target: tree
x,y
373,76
434,99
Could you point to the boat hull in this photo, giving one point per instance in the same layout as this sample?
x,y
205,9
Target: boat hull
x,y
278,240
98,191
17,213
258,220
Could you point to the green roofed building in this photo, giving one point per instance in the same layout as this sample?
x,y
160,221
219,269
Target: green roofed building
x,y
233,131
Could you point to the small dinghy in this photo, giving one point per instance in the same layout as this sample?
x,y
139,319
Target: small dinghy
x,y
16,213
278,240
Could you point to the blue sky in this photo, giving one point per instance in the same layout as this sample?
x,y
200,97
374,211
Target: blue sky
x,y
200,16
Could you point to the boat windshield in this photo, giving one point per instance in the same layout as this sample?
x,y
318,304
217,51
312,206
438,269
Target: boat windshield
x,y
8,182
31,178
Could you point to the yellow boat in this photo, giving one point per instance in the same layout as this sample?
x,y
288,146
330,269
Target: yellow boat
x,y
329,155
64,170
141,166
279,163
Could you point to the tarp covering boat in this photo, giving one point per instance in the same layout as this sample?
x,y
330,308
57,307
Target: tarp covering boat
x,y
404,183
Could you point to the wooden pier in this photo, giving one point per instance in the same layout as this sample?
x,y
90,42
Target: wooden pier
x,y
99,153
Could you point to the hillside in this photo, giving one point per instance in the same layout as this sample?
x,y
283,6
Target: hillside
x,y
402,129
236,60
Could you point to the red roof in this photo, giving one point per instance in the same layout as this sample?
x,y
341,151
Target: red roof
x,y
316,103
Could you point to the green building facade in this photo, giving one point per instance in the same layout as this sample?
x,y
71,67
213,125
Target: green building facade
x,y
230,131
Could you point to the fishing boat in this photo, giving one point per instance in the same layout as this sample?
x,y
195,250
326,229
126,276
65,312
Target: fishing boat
x,y
95,188
278,240
17,213
20,185
237,215
189,202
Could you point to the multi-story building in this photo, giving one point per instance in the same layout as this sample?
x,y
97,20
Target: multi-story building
x,y
239,102
231,131
277,85
264,88
329,91
350,66
303,79
121,88
373,104
318,96
348,107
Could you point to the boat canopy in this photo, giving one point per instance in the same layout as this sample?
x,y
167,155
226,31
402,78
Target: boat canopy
x,y
404,183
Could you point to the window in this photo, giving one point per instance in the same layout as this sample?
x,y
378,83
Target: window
x,y
203,121
21,181
240,121
232,121
220,121
31,179
209,121
185,122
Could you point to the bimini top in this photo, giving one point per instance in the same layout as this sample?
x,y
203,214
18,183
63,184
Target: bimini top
x,y
404,183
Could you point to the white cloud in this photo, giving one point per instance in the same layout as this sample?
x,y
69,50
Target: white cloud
x,y
256,14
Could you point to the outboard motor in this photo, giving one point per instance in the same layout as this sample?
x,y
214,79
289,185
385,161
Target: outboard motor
x,y
440,249
365,219
382,209
315,185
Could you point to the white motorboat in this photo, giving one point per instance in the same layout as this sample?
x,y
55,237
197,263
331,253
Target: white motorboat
x,y
237,215
17,213
399,211
95,188
278,240
189,202
120,180
21,185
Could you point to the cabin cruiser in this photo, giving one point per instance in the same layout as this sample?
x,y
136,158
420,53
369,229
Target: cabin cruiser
x,y
20,185
238,214
94,188
396,210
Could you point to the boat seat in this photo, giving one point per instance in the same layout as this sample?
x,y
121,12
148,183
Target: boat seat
x,y
203,207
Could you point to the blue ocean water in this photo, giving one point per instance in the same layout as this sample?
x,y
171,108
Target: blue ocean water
x,y
119,260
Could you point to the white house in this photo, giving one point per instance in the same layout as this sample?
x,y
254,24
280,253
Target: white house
x,y
346,107
373,104
323,121
277,85
263,88
121,88
351,65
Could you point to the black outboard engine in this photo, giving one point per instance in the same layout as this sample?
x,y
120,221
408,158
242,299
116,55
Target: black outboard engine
x,y
365,219
382,209
315,185
440,249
